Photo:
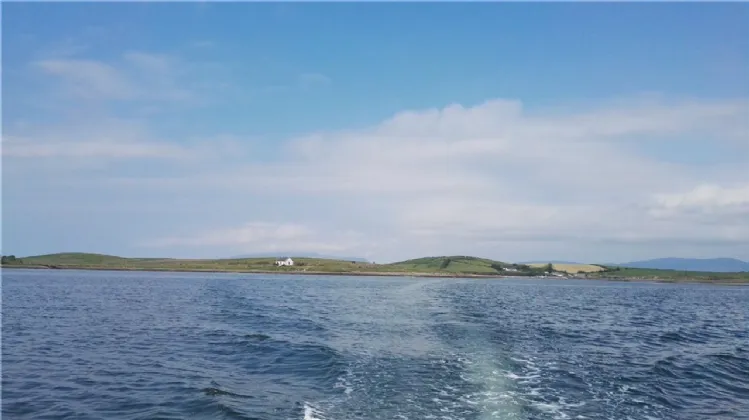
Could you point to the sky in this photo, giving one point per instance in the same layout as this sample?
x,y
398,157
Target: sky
x,y
604,132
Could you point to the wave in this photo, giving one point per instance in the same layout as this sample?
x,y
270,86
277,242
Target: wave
x,y
214,391
312,413
343,349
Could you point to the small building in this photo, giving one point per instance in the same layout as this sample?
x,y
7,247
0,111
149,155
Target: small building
x,y
287,261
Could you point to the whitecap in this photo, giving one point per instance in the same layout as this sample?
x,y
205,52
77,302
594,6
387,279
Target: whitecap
x,y
312,413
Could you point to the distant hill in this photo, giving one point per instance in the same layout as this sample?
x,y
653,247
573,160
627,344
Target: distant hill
x,y
549,261
74,258
714,265
454,266
460,264
298,255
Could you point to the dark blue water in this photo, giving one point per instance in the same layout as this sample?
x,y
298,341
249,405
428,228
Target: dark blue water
x,y
113,345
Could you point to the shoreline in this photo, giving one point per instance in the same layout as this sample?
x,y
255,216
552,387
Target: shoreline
x,y
739,282
300,272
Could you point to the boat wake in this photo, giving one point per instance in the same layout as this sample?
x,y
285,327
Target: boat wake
x,y
312,413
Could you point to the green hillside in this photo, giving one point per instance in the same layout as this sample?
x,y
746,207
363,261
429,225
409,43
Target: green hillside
x,y
435,266
456,265
85,260
452,265
613,272
74,258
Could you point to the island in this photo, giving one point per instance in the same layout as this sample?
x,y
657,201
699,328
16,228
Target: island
x,y
443,266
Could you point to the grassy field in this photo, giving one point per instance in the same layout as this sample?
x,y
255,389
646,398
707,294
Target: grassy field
x,y
455,265
428,266
672,275
98,261
573,268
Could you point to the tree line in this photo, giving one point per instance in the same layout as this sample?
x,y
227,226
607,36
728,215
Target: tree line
x,y
10,259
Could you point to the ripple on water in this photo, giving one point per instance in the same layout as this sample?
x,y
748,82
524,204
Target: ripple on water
x,y
161,345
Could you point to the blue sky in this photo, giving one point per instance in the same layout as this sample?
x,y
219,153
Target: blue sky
x,y
594,132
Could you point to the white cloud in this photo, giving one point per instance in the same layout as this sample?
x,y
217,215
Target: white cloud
x,y
134,75
491,149
77,143
90,79
265,236
99,148
705,200
652,116
495,173
487,179
64,48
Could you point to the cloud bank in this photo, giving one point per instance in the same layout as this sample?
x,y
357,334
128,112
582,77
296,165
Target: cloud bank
x,y
499,178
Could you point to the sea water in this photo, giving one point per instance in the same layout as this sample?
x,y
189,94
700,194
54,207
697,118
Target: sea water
x,y
138,345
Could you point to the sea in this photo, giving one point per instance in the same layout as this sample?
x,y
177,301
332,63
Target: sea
x,y
142,345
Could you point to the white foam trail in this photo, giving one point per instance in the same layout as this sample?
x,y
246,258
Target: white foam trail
x,y
311,413
343,382
497,400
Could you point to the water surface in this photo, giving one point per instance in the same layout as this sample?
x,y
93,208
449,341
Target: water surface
x,y
133,345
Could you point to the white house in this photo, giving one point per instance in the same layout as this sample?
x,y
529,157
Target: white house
x,y
284,261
